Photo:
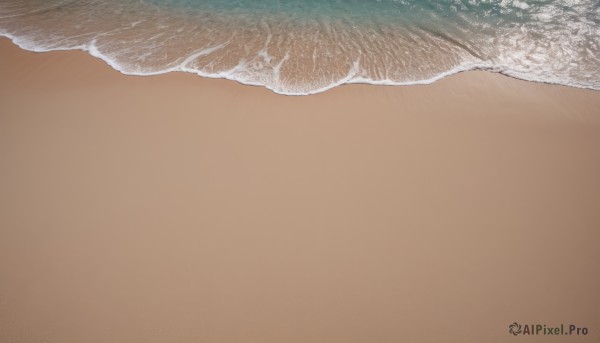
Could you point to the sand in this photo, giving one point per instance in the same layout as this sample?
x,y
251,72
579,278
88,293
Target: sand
x,y
174,208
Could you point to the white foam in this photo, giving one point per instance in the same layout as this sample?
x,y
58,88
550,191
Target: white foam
x,y
520,4
239,72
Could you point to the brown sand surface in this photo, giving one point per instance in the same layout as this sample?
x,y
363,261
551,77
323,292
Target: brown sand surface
x,y
174,208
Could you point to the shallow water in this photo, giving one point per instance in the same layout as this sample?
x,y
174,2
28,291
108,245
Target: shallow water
x,y
304,47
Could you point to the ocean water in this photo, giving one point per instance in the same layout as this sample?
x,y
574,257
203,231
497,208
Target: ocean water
x,y
308,46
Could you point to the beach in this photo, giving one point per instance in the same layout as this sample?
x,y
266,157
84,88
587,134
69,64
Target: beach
x,y
176,208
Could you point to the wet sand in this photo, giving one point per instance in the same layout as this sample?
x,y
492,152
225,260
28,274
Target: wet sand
x,y
174,208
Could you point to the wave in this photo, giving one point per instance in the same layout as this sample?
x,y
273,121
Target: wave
x,y
297,51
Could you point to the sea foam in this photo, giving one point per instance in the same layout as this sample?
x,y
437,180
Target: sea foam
x,y
307,47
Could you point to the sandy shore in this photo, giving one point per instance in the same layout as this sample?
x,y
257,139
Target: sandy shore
x,y
179,209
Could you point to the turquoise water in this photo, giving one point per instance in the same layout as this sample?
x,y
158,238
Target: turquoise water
x,y
304,47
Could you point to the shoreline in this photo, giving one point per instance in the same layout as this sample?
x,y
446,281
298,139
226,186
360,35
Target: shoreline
x,y
358,81
97,63
179,208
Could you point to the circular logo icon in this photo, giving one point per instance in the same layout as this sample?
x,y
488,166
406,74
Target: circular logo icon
x,y
515,328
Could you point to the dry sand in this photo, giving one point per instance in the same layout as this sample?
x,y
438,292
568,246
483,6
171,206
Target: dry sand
x,y
179,209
